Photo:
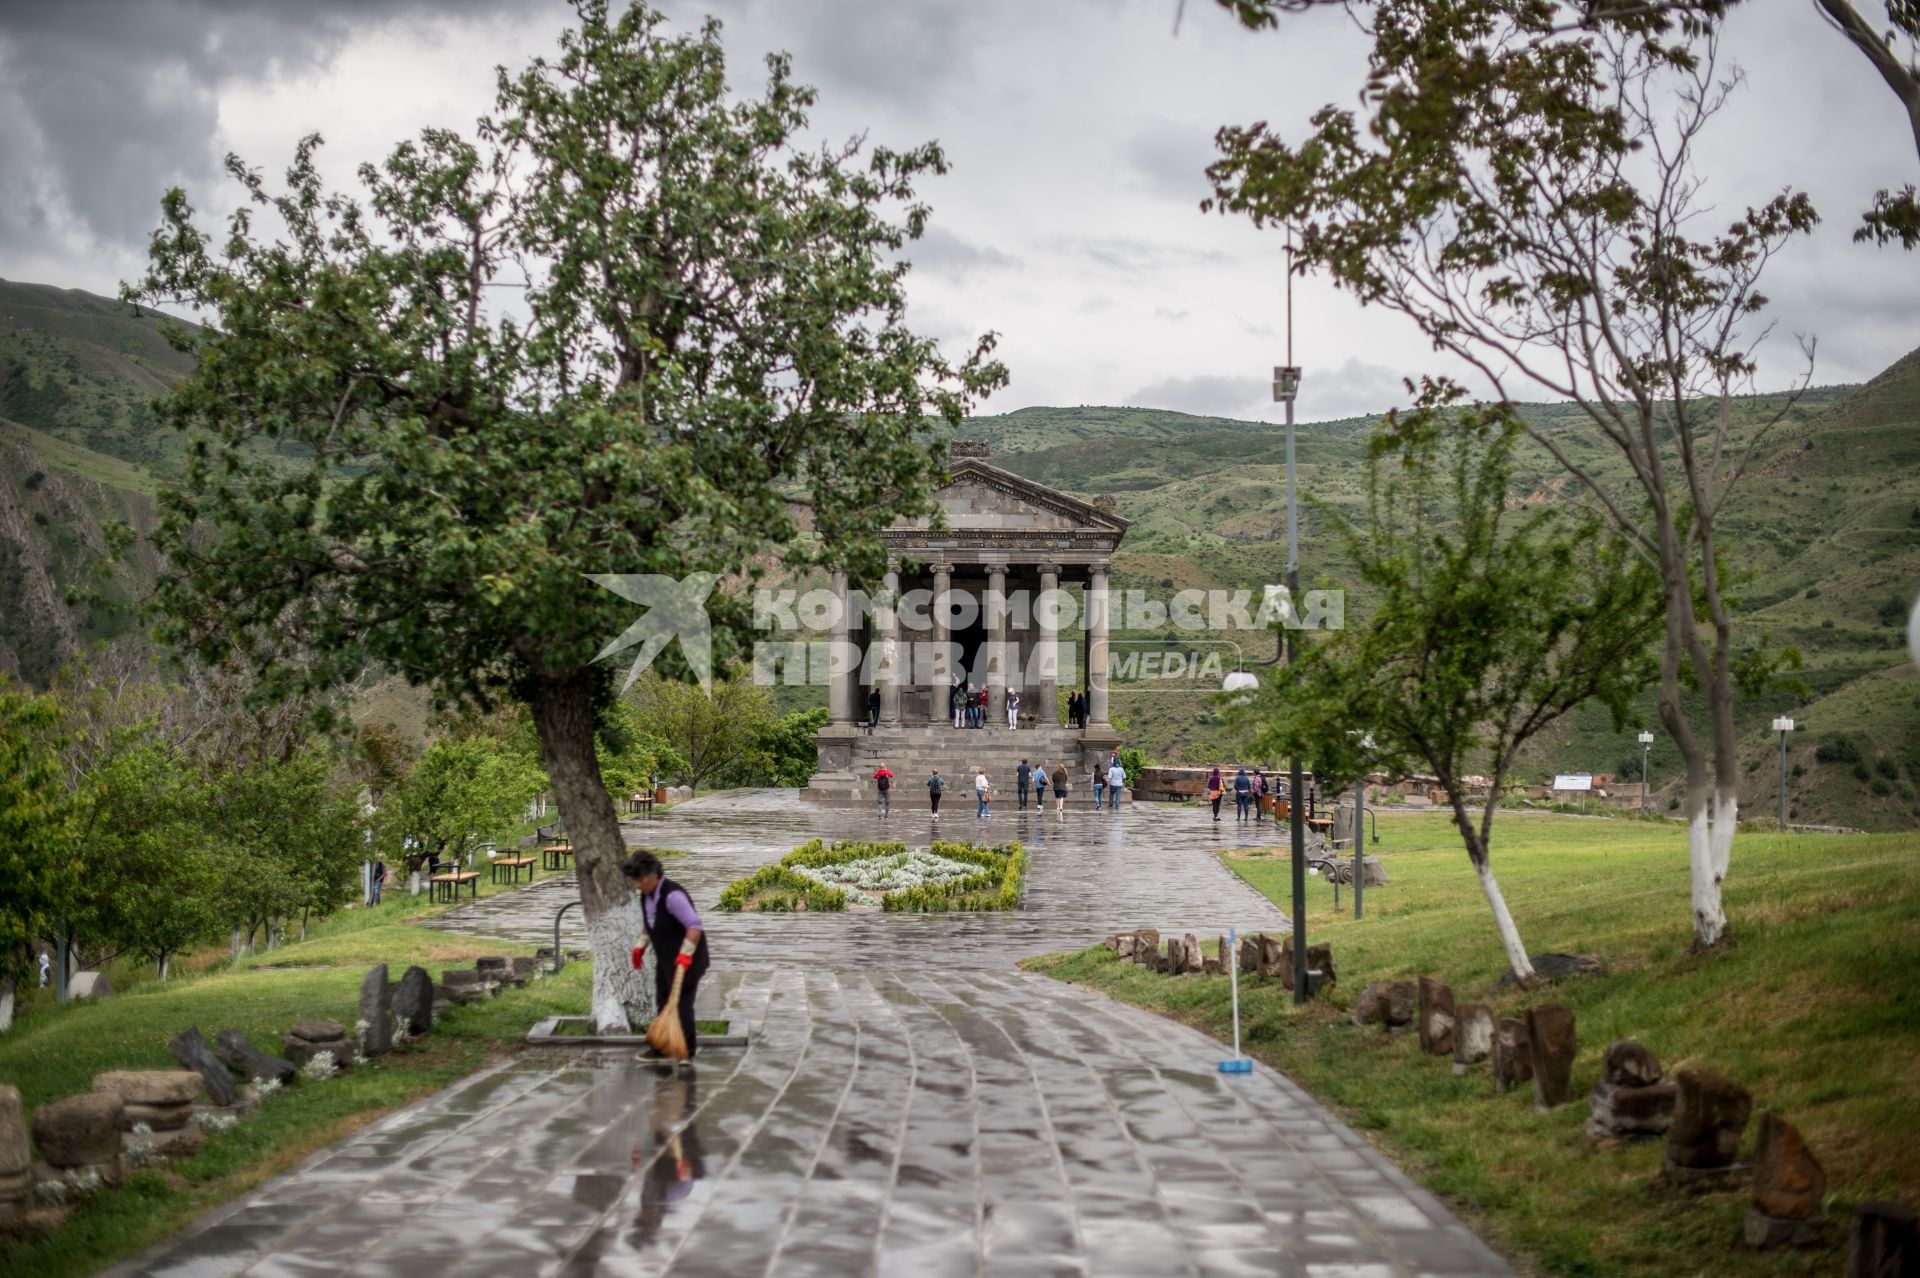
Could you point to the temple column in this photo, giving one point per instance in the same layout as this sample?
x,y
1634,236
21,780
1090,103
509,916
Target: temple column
x,y
841,663
889,675
1097,646
1046,648
940,682
996,619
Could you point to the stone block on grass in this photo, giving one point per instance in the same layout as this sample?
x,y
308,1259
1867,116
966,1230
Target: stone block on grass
x,y
238,1053
1550,1034
1512,1054
79,1131
1788,1181
413,1002
191,1050
1472,1036
376,1012
1434,1019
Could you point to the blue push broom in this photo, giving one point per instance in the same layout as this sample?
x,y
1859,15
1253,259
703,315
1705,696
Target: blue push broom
x,y
1239,1064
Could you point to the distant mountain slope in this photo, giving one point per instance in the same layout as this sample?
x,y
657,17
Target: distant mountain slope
x,y
1824,536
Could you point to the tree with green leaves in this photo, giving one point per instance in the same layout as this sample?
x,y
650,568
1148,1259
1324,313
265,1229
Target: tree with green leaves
x,y
464,790
1494,620
1525,193
629,326
714,730
39,861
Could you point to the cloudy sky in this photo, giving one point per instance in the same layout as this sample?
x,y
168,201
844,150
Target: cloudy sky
x,y
1078,131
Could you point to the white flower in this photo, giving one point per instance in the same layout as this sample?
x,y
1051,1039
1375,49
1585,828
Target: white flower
x,y
223,1122
320,1068
265,1087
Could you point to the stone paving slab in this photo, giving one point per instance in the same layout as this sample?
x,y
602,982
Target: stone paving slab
x,y
918,1122
910,1104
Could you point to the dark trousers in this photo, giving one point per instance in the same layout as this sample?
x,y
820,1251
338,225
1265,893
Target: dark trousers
x,y
1023,796
663,986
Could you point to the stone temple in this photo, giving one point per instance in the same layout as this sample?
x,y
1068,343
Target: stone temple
x,y
1011,593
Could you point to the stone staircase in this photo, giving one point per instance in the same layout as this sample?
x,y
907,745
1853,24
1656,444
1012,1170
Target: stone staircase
x,y
912,751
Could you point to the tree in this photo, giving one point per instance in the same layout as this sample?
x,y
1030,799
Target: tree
x,y
713,730
38,860
1527,197
629,327
1494,620
464,789
787,753
1893,51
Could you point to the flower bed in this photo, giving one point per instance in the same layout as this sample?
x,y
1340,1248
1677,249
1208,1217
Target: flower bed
x,y
884,876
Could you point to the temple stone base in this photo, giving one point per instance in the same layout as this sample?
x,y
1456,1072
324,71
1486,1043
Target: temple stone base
x,y
913,751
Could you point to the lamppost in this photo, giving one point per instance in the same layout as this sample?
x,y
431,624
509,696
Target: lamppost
x,y
1646,747
1286,387
1783,726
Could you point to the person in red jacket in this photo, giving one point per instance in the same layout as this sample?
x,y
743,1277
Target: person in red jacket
x,y
882,791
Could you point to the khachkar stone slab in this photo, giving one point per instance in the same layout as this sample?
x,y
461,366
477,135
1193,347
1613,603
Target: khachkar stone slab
x,y
1883,1242
413,1002
1709,1115
376,1012
79,1131
15,1178
1319,959
191,1050
1630,1099
161,1099
1550,1033
1788,1186
1472,1036
1512,1054
239,1054
1435,1018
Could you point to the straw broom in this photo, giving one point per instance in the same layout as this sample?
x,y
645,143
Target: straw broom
x,y
665,1035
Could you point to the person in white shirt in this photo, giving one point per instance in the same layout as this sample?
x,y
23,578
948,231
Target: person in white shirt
x,y
1116,782
1013,709
983,790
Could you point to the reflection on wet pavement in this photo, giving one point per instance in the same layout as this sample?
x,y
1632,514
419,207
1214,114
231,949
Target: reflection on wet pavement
x,y
910,1104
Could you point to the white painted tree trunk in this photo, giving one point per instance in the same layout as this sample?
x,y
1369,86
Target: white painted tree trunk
x,y
618,995
1709,853
165,961
1509,934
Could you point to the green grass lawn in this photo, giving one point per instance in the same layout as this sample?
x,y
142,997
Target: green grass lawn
x,y
1815,1007
55,1051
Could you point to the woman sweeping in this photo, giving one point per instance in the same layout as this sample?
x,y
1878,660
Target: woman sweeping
x,y
673,927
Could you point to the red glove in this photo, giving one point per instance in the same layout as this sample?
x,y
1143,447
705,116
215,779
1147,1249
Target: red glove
x,y
683,960
639,952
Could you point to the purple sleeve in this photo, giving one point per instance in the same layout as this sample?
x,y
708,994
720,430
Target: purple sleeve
x,y
680,905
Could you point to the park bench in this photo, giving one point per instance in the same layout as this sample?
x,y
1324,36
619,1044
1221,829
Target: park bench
x,y
555,833
512,865
637,803
446,887
557,857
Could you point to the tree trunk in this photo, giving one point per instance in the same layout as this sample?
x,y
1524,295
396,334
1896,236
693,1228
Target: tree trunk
x,y
163,965
1509,934
563,717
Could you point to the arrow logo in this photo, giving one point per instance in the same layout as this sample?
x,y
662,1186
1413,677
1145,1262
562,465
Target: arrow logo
x,y
676,609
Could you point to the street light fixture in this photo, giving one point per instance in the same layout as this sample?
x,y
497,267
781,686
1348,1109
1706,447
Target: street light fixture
x,y
1646,746
1783,726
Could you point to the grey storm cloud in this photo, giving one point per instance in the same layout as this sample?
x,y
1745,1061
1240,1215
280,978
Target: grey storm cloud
x,y
1352,388
941,251
112,104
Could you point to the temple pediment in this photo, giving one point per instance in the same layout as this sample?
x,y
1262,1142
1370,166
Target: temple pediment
x,y
982,498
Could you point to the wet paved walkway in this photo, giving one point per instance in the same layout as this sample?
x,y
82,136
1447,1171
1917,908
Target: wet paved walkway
x,y
910,1104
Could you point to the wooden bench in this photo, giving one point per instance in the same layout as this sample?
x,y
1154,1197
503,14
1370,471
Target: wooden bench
x,y
557,857
513,865
446,887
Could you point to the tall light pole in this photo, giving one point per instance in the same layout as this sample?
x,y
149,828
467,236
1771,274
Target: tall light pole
x,y
1783,726
1646,747
1286,386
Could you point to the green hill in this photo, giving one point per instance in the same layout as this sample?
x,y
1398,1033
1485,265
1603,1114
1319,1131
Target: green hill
x,y
1824,535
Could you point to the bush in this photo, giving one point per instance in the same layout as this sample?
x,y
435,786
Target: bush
x,y
1887,767
1880,787
1799,770
1813,592
1860,772
1827,624
1894,611
1837,750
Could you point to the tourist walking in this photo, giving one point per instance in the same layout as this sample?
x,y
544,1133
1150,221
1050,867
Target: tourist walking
x,y
1013,709
672,928
1022,776
1060,790
935,784
882,791
1099,785
1040,787
1116,782
873,710
1214,791
1242,794
982,790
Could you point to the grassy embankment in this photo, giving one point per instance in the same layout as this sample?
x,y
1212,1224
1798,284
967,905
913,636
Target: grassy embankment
x,y
1814,1007
55,1051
